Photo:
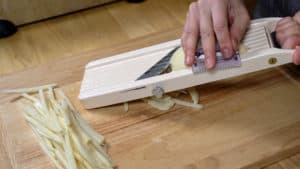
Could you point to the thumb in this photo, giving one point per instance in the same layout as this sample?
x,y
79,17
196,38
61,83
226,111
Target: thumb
x,y
296,56
297,17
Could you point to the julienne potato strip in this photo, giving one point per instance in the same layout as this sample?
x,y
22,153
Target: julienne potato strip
x,y
99,139
28,90
61,132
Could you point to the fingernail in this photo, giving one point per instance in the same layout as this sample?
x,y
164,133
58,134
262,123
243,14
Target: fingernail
x,y
188,59
227,53
297,58
209,63
297,61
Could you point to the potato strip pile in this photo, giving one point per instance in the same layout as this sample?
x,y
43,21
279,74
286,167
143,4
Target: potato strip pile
x,y
64,136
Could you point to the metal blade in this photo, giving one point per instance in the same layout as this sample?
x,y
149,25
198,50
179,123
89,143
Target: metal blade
x,y
159,67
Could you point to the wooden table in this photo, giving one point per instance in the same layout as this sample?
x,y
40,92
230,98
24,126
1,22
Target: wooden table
x,y
247,122
24,12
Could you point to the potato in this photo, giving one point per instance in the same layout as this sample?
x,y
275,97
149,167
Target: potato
x,y
177,60
243,49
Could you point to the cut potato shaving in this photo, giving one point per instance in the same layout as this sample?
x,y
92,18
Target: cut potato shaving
x,y
243,49
187,104
28,90
164,103
194,95
126,107
63,135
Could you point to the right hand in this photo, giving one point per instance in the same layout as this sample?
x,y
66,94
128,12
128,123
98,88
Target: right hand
x,y
288,35
225,19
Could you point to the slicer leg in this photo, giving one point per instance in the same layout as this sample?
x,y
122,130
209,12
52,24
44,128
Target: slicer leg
x,y
158,92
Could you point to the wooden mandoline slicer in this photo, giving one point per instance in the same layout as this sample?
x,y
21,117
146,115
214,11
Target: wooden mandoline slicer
x,y
133,75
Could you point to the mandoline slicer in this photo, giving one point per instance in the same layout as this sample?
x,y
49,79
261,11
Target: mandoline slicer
x,y
134,75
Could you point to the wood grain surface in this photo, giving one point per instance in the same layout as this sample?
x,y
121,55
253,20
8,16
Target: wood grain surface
x,y
248,122
101,27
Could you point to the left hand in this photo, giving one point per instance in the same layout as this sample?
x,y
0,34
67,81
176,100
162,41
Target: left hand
x,y
288,35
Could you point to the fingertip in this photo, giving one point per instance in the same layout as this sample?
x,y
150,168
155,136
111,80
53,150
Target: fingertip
x,y
236,36
235,44
296,61
186,60
291,43
190,48
297,17
227,52
189,59
296,56
210,62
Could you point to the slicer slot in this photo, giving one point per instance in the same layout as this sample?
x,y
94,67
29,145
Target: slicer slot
x,y
268,34
257,38
274,40
137,88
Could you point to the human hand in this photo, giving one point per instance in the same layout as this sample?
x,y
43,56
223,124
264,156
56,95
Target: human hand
x,y
223,20
288,35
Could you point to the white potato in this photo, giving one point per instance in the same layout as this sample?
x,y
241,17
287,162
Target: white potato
x,y
177,60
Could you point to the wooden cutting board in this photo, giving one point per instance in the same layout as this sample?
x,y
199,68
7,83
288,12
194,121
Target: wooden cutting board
x,y
247,122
